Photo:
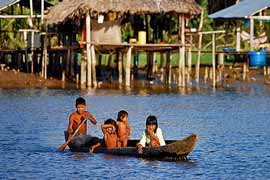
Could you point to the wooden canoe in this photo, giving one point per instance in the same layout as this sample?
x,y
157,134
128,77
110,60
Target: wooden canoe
x,y
173,150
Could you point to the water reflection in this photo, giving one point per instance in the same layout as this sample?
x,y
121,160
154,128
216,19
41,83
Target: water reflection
x,y
79,155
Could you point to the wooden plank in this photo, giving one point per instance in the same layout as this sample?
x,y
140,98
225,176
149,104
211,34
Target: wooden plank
x,y
128,66
88,49
251,34
120,68
197,76
42,11
238,36
214,58
93,54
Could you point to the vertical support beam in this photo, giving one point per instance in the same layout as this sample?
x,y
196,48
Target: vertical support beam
x,y
189,66
128,66
26,53
238,36
31,8
42,11
66,62
220,66
170,69
214,58
83,68
44,59
88,49
189,60
199,49
251,33
206,72
32,51
244,71
94,66
120,68
161,66
182,53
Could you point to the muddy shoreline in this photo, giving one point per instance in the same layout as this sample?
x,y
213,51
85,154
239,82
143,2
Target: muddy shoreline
x,y
10,79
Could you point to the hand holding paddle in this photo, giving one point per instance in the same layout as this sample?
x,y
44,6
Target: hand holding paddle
x,y
63,146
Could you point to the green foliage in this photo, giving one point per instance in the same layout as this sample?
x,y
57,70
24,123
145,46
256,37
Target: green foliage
x,y
10,38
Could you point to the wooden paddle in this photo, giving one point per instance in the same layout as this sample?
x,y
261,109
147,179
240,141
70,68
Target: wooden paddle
x,y
63,146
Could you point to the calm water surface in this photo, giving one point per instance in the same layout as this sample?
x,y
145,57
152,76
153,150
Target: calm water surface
x,y
233,125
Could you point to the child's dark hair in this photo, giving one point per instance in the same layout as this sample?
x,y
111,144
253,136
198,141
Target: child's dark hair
x,y
110,121
80,100
121,114
152,120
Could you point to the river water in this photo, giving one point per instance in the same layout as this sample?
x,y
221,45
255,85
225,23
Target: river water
x,y
233,126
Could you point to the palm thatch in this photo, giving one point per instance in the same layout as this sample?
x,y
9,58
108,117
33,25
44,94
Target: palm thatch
x,y
78,8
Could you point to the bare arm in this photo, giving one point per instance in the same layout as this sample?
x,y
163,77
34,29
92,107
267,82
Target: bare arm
x,y
90,117
105,126
154,138
128,130
70,124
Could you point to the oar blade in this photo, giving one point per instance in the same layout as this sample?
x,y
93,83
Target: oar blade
x,y
62,147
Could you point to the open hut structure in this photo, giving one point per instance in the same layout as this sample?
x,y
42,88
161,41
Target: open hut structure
x,y
101,35
247,11
21,18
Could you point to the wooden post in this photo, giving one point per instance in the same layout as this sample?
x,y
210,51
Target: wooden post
x,y
244,71
128,66
168,67
251,33
44,59
181,62
206,74
67,59
199,49
83,68
220,65
42,11
26,53
180,79
31,8
189,62
88,49
155,65
238,36
120,68
183,50
72,62
161,66
32,51
214,58
94,66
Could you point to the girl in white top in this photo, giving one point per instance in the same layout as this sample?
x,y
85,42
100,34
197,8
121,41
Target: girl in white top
x,y
152,136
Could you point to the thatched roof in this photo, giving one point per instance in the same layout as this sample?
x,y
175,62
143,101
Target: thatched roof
x,y
78,8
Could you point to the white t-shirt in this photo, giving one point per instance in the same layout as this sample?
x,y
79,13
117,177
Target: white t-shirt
x,y
146,138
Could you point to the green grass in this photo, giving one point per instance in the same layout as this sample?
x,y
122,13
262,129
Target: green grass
x,y
206,59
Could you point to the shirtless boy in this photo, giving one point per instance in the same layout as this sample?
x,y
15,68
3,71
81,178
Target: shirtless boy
x,y
123,129
110,134
75,119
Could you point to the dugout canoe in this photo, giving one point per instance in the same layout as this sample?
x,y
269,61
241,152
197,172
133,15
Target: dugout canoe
x,y
173,150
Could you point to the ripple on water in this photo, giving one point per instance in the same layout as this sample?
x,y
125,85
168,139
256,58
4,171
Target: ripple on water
x,y
233,128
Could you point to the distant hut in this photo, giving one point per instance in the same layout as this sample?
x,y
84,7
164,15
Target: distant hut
x,y
87,9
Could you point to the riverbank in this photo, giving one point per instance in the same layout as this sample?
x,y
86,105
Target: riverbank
x,y
14,79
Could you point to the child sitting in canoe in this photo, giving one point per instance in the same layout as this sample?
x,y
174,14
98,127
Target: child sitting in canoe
x,y
152,136
110,134
123,129
77,127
